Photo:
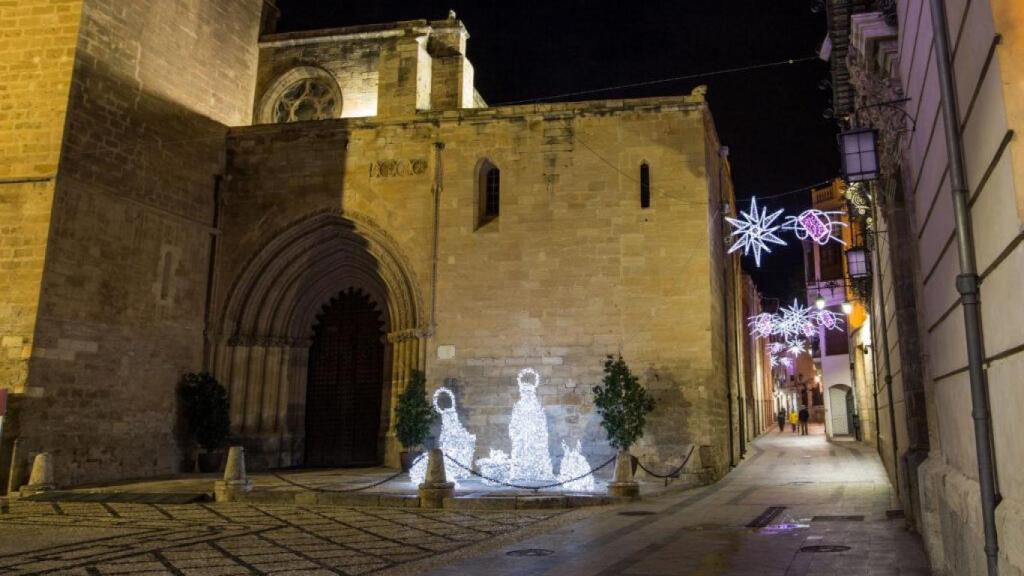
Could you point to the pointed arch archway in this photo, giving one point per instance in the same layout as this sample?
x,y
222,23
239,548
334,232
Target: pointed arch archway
x,y
270,317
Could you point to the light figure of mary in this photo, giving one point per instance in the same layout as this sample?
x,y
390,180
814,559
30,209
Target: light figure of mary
x,y
528,430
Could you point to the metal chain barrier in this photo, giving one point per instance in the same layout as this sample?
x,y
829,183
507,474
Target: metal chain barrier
x,y
673,474
522,487
357,489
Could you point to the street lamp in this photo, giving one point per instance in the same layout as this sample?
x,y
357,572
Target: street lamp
x,y
860,154
819,302
847,307
857,263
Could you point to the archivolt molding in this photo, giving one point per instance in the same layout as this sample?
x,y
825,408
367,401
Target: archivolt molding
x,y
285,283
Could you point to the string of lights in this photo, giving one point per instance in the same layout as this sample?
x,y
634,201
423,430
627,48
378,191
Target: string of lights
x,y
695,76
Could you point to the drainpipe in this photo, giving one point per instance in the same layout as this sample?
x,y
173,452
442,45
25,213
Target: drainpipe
x,y
208,345
723,153
884,329
967,285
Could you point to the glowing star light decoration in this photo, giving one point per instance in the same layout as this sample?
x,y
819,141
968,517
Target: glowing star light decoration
x,y
786,361
776,348
574,470
796,347
528,430
455,441
817,225
797,320
754,231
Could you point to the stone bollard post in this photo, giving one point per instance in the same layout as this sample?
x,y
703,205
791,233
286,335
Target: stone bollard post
x,y
41,478
623,485
235,482
435,487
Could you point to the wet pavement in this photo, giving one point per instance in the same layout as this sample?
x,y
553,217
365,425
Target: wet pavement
x,y
796,505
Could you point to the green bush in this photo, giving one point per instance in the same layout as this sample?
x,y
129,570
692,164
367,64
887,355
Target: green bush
x,y
414,414
205,405
622,403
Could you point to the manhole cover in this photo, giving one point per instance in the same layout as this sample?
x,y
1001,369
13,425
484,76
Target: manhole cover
x,y
825,548
530,552
637,513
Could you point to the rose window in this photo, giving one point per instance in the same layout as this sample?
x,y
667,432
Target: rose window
x,y
308,99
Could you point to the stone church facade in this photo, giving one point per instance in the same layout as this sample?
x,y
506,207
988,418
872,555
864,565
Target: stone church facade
x,y
311,216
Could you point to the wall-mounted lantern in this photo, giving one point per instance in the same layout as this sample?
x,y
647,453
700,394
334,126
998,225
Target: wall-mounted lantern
x,y
860,154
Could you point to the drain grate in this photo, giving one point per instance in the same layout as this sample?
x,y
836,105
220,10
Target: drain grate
x,y
825,548
528,552
850,518
637,513
765,518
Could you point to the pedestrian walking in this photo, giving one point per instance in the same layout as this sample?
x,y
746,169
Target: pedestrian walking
x,y
793,419
780,416
804,416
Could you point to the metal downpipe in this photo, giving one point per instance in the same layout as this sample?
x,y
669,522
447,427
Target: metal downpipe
x,y
967,283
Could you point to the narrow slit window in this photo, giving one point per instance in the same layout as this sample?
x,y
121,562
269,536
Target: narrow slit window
x,y
645,185
165,276
489,193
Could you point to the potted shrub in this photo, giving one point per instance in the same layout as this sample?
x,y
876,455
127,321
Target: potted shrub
x,y
413,417
204,403
623,405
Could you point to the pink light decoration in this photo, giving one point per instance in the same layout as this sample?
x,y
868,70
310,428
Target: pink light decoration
x,y
815,228
816,225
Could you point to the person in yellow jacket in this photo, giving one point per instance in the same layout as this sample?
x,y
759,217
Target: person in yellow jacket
x,y
793,419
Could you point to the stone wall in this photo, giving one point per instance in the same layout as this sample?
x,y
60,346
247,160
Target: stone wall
x,y
572,269
33,104
987,73
155,87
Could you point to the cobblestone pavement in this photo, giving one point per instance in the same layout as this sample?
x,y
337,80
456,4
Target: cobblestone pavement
x,y
823,510
225,539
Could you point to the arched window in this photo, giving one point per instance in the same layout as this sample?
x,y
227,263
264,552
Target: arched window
x,y
488,193
300,94
307,99
645,185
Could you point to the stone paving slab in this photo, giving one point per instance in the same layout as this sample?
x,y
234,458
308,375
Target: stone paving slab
x,y
92,538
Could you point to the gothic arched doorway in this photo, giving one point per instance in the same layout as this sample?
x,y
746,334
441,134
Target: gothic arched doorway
x,y
345,384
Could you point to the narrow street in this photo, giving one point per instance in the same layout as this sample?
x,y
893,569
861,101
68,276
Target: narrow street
x,y
831,495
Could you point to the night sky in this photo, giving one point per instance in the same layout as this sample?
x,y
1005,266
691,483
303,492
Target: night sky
x,y
771,119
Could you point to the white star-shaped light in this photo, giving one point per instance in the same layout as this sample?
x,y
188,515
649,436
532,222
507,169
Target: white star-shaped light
x,y
754,230
776,348
786,361
796,320
773,360
796,347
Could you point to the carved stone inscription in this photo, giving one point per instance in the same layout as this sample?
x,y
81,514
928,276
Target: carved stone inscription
x,y
393,168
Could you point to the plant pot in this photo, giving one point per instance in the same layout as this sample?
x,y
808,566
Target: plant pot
x,y
408,457
211,461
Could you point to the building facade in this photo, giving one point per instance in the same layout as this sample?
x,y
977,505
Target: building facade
x,y
311,216
886,70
